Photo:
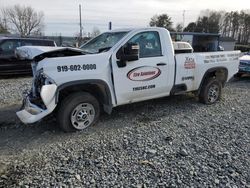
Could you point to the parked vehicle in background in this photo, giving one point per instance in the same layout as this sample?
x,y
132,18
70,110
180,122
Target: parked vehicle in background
x,y
116,68
9,63
244,67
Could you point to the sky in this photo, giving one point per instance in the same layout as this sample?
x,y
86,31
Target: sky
x,y
62,16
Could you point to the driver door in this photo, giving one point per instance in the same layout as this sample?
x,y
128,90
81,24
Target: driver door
x,y
146,77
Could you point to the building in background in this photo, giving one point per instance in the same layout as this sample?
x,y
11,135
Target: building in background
x,y
228,43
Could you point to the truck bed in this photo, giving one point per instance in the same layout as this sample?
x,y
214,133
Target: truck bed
x,y
191,67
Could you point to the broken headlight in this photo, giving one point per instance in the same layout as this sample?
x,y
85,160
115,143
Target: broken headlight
x,y
40,80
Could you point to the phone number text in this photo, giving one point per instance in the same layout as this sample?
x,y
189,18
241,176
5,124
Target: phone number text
x,y
66,68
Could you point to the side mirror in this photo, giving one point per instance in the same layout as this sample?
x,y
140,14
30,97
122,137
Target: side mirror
x,y
129,52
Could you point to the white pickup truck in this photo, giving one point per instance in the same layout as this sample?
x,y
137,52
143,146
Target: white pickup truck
x,y
115,68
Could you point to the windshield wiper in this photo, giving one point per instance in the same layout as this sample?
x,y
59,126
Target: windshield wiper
x,y
104,49
86,52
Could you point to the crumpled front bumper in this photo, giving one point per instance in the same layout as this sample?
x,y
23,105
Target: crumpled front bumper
x,y
31,113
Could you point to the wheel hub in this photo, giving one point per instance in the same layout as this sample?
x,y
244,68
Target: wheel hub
x,y
213,93
82,116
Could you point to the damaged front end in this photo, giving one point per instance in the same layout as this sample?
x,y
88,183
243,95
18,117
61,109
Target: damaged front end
x,y
40,101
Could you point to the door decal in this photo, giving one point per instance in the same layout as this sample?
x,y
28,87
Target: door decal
x,y
144,73
189,63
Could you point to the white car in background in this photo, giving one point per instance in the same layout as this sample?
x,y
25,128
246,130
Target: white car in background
x,y
244,66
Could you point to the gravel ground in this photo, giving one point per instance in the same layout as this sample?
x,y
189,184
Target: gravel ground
x,y
169,142
11,90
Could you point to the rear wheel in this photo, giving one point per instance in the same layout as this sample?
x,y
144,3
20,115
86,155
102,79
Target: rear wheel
x,y
210,91
238,75
78,111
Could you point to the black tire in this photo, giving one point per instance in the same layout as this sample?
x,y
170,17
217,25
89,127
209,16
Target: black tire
x,y
72,112
210,91
238,75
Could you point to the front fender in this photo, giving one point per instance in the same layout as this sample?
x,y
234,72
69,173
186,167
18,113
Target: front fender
x,y
104,91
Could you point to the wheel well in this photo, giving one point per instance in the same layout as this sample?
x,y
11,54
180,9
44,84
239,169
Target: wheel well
x,y
220,74
99,91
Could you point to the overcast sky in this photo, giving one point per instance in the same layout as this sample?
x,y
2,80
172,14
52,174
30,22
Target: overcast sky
x,y
62,16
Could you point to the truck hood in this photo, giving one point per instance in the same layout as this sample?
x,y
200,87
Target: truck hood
x,y
30,52
71,68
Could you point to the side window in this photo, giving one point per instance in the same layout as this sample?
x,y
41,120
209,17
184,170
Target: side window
x,y
37,43
26,43
149,43
9,46
50,43
30,43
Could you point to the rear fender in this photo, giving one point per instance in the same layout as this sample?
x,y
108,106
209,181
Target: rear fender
x,y
213,72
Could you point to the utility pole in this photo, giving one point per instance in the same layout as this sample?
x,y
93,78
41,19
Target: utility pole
x,y
80,14
184,11
5,23
110,25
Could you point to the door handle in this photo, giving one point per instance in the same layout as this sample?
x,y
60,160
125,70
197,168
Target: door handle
x,y
161,64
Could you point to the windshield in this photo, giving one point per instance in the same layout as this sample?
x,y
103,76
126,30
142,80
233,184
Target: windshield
x,y
103,42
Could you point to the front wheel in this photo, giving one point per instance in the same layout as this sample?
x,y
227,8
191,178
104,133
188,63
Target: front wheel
x,y
78,111
210,91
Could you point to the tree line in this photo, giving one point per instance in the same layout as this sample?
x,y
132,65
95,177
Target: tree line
x,y
25,21
233,24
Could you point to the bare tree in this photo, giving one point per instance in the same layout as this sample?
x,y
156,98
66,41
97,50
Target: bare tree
x,y
237,25
179,27
3,29
24,20
3,25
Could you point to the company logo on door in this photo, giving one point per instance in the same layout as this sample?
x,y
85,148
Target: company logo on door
x,y
145,73
189,63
